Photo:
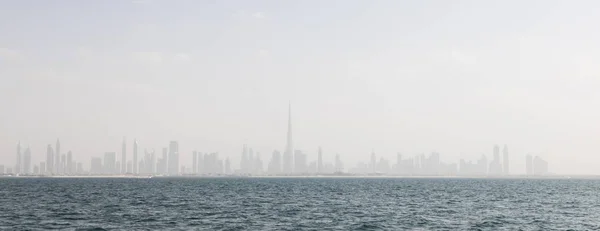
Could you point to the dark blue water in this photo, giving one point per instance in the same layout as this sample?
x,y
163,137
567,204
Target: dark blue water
x,y
299,204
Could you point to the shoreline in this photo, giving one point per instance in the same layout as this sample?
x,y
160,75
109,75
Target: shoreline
x,y
314,176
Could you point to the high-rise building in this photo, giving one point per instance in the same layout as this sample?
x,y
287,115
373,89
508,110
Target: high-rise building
x,y
26,166
49,160
540,166
165,161
505,162
18,163
289,148
110,159
227,166
124,156
299,162
496,164
70,164
529,165
135,159
250,161
320,161
195,162
373,165
482,165
57,158
275,164
63,163
43,168
173,158
199,165
339,166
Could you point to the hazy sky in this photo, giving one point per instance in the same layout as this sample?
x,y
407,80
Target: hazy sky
x,y
454,77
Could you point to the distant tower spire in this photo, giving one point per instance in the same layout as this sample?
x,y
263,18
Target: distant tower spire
x,y
289,148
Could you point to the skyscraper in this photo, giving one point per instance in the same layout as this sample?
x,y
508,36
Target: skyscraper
x,y
505,162
275,164
373,165
227,166
18,163
495,165
320,161
244,161
289,148
26,166
124,157
195,162
70,164
49,160
57,157
135,159
110,159
173,158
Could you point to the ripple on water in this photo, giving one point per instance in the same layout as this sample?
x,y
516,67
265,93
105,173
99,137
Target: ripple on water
x,y
299,204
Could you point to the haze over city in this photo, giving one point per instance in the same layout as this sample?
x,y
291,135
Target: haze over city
x,y
410,77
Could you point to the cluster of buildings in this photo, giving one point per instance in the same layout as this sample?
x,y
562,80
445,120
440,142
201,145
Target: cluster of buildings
x,y
290,162
55,163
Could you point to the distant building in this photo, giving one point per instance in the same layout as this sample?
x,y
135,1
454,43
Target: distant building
x,y
124,157
299,162
339,165
289,147
135,157
195,162
70,164
373,165
49,160
18,164
227,166
320,161
496,166
43,168
26,166
529,165
173,158
540,166
505,164
275,164
110,159
57,167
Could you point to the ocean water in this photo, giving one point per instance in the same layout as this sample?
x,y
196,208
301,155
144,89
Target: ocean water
x,y
298,204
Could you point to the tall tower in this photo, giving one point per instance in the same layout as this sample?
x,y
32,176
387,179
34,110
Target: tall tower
x,y
70,165
124,157
57,157
289,148
18,164
320,161
26,161
505,162
49,160
173,158
135,159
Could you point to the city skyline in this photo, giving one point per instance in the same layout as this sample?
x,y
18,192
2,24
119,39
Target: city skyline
x,y
292,162
451,77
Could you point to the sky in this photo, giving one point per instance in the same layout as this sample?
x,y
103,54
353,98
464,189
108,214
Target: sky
x,y
384,76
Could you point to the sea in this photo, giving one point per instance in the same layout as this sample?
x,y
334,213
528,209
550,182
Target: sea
x,y
299,204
